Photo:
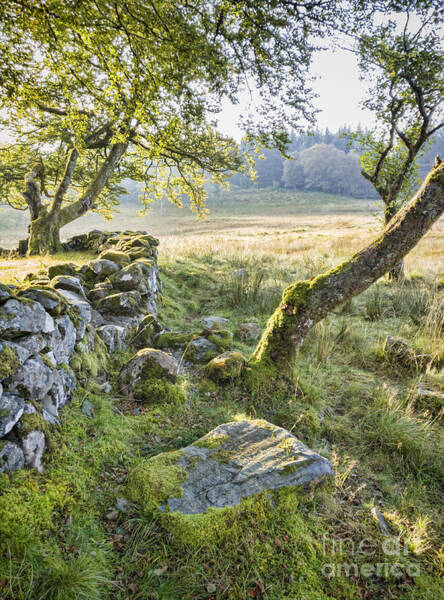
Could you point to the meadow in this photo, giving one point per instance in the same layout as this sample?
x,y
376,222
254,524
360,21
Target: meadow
x,y
351,403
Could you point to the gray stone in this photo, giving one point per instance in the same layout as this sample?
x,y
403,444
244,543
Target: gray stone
x,y
63,339
88,408
103,267
82,309
215,322
61,391
33,447
1,390
200,349
5,293
124,303
248,331
113,336
51,300
11,457
68,282
131,277
154,362
33,380
243,458
122,504
96,318
97,294
11,409
18,318
29,409
33,344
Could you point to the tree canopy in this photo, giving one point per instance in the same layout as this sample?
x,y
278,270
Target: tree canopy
x,y
97,91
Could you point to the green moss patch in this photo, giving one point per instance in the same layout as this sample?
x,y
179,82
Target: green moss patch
x,y
152,481
9,362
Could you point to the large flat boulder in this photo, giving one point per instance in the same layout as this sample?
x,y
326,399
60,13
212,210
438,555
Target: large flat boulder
x,y
233,461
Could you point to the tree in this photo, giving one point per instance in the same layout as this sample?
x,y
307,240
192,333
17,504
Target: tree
x,y
100,91
307,302
408,91
325,168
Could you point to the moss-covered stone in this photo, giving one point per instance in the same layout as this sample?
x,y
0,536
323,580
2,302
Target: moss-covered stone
x,y
221,338
153,480
159,391
174,339
116,256
61,269
226,367
90,364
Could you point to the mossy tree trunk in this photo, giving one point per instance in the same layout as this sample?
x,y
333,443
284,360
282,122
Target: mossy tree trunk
x,y
398,271
307,302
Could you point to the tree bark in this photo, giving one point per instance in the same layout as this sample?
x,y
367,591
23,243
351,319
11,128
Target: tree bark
x,y
398,271
307,302
44,229
44,234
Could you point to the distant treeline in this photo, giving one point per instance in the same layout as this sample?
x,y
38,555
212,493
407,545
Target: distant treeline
x,y
322,162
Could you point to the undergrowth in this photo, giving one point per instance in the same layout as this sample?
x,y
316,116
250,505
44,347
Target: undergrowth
x,y
63,537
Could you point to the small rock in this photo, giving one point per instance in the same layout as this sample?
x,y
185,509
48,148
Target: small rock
x,y
103,267
11,457
61,269
113,336
51,301
70,283
113,515
248,331
122,504
115,256
33,447
88,408
11,409
226,366
124,303
213,321
83,311
146,363
379,517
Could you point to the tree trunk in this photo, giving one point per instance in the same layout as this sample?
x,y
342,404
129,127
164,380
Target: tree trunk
x,y
398,271
307,302
44,235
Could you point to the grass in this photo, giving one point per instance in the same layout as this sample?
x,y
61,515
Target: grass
x,y
59,538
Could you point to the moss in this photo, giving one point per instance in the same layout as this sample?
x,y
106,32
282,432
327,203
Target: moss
x,y
120,258
9,362
159,392
34,422
46,360
172,339
153,480
211,441
226,367
90,364
221,338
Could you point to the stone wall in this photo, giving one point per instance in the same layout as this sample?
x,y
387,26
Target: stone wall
x,y
51,324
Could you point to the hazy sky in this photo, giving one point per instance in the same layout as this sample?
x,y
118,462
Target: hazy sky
x,y
339,90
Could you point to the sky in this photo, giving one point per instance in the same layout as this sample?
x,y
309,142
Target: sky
x,y
339,92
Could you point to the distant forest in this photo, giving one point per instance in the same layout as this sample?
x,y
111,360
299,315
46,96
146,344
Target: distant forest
x,y
322,162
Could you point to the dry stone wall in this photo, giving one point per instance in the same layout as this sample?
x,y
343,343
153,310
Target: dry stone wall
x,y
59,316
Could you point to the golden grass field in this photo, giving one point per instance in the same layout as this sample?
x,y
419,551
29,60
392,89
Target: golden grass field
x,y
290,227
